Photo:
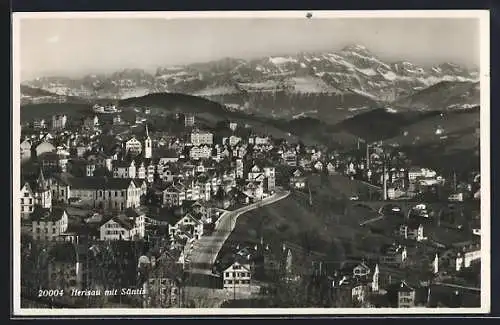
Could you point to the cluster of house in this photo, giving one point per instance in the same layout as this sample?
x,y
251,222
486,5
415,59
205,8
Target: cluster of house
x,y
184,193
187,181
391,169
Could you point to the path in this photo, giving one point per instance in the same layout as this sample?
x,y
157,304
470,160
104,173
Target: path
x,y
457,286
371,220
206,249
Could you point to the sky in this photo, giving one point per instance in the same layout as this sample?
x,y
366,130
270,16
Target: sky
x,y
78,46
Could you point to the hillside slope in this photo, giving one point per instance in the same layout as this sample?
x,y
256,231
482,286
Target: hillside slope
x,y
380,123
442,96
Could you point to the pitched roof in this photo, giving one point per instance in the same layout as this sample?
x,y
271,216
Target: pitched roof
x,y
121,219
167,215
41,214
122,164
404,287
100,183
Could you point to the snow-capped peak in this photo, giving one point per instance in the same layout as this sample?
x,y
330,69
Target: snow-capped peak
x,y
277,60
355,48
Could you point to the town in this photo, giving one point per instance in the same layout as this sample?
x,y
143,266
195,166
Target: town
x,y
157,202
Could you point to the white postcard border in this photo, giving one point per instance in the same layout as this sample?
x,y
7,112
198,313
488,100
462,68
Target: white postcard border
x,y
482,15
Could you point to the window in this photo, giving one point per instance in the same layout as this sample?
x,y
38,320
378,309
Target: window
x,y
31,201
116,193
26,194
37,230
234,274
100,193
227,274
46,230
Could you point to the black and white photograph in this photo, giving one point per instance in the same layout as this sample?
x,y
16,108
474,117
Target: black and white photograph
x,y
266,162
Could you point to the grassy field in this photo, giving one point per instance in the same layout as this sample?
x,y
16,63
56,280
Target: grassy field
x,y
330,227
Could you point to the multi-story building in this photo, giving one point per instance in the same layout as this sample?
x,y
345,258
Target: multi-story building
x,y
416,172
162,287
465,258
187,224
255,174
27,201
200,152
124,169
406,296
120,227
39,124
133,146
90,169
146,171
59,121
237,276
297,180
201,137
102,160
239,168
270,174
233,126
412,230
49,225
41,192
189,120
53,161
173,196
231,141
258,141
290,158
106,193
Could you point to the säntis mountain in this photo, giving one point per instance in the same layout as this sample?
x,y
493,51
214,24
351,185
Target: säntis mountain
x,y
352,78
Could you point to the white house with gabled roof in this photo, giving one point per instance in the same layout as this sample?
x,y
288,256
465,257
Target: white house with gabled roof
x,y
237,276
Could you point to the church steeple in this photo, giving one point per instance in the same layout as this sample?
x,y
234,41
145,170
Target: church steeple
x,y
41,183
147,145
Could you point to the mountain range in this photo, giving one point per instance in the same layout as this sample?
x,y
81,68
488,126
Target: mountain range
x,y
352,78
